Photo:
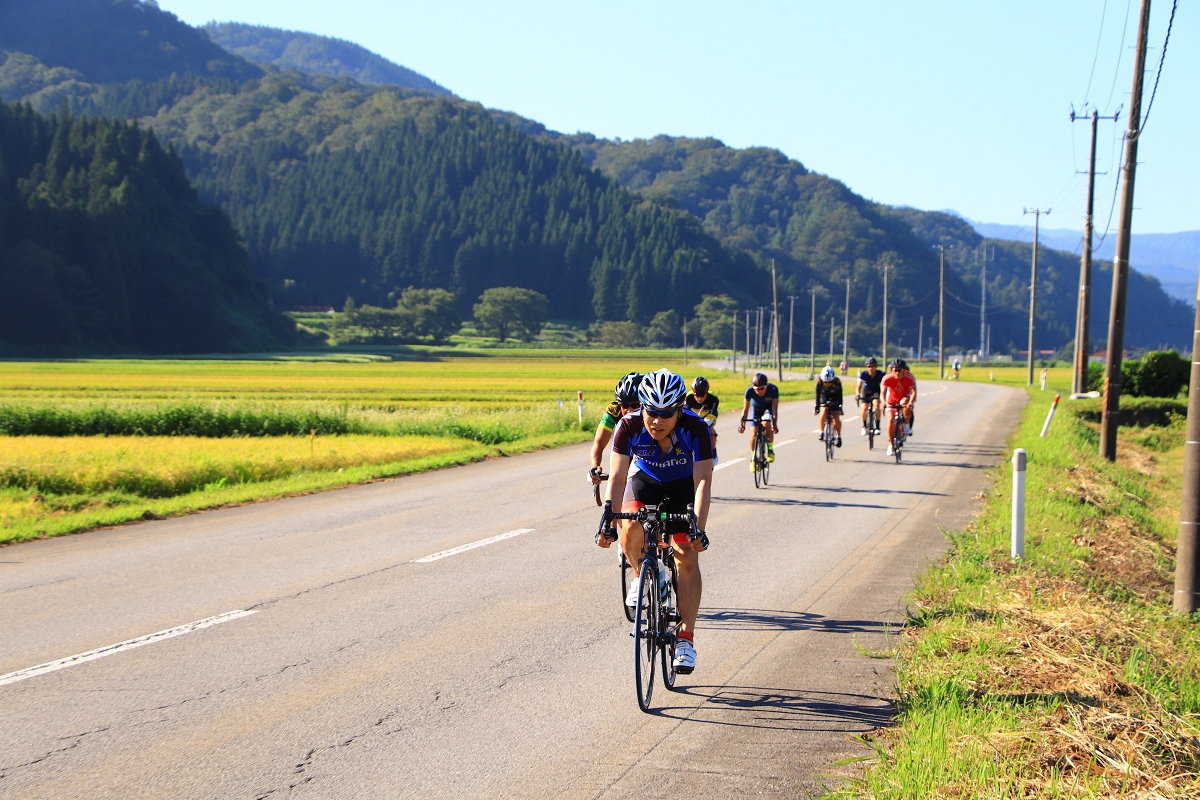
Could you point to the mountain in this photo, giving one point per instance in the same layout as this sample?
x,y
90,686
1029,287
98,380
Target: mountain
x,y
105,247
1173,258
322,55
1154,319
344,190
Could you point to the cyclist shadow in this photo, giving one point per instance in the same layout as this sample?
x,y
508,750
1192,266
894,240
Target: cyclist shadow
x,y
787,501
847,489
782,709
760,619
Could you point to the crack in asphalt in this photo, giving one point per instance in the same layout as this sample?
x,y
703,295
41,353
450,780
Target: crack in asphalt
x,y
76,740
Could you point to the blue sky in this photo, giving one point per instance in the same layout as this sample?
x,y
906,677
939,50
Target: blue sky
x,y
939,105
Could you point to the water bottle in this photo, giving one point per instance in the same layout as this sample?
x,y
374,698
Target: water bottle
x,y
664,584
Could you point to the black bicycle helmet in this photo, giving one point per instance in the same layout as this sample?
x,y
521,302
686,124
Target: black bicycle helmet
x,y
627,390
760,379
700,385
897,363
871,362
903,364
662,390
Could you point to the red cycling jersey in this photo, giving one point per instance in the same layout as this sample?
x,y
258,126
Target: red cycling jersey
x,y
898,387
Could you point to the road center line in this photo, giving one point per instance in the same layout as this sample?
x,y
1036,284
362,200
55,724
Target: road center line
x,y
464,548
784,443
120,647
725,464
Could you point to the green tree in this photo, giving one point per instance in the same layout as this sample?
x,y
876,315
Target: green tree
x,y
506,311
716,315
620,334
429,313
665,330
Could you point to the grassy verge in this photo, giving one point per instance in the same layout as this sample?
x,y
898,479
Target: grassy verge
x,y
1064,675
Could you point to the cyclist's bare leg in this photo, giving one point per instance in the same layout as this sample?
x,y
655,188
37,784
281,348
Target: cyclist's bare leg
x,y
633,541
687,567
837,422
753,435
865,406
878,411
821,419
768,427
891,425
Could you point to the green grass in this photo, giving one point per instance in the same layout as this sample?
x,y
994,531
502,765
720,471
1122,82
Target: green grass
x,y
1064,675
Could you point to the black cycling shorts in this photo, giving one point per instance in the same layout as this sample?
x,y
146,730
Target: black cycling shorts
x,y
642,490
866,398
832,407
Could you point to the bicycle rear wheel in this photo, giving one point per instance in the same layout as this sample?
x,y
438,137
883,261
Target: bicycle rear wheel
x,y
871,429
626,576
828,440
668,626
760,461
645,633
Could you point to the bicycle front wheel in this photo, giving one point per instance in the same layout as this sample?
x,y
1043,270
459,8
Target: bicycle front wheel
x,y
626,576
668,625
870,430
645,633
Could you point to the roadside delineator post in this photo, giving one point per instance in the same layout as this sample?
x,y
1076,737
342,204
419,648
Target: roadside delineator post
x,y
581,409
1050,415
1018,506
1043,380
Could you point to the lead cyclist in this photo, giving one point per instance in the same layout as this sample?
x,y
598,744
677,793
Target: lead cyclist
x,y
672,451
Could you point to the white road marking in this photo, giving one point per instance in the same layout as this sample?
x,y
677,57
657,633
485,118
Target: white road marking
x,y
725,464
464,548
120,647
784,443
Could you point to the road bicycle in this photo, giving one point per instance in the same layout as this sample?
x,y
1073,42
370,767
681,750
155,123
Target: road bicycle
x,y
901,434
656,618
828,436
760,460
872,421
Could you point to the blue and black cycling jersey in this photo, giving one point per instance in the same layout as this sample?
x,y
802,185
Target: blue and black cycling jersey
x,y
760,404
690,443
871,384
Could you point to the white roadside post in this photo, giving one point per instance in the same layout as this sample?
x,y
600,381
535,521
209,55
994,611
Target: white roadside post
x,y
581,409
1050,415
1018,505
1043,380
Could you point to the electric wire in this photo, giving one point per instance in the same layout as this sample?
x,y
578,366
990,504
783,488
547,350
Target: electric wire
x,y
1120,55
1099,37
1161,58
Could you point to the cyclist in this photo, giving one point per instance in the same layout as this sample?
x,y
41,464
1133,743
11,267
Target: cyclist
x,y
868,391
844,367
762,399
672,450
703,403
829,403
626,400
900,388
957,367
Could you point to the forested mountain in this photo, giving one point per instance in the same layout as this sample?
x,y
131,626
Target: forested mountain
x,y
363,192
105,247
322,55
91,53
758,200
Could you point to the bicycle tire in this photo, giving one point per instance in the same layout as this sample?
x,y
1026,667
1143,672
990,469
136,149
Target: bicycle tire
x,y
828,440
645,634
667,629
596,494
626,573
758,460
871,429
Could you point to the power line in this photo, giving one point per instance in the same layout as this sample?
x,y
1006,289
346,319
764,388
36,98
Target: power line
x,y
1161,58
1120,55
1099,36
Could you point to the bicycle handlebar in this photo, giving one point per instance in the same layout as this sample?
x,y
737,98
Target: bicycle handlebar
x,y
644,515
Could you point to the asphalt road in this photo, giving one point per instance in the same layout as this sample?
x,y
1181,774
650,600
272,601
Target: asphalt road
x,y
500,671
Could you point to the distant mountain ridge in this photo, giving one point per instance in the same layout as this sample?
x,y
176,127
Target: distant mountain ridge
x,y
308,52
1173,258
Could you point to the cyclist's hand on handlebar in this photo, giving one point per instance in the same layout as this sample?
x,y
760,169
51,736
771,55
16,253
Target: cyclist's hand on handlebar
x,y
595,476
775,426
742,426
698,540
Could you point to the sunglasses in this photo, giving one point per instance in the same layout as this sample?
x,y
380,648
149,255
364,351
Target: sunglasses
x,y
660,414
630,409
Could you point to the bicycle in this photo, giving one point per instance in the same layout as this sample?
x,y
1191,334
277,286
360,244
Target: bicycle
x,y
656,619
872,421
762,464
828,435
596,486
901,434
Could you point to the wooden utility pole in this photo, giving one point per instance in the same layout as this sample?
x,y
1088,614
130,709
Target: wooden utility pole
x,y
734,327
759,337
1037,215
921,338
886,268
846,328
1116,312
791,328
942,314
1083,314
830,362
746,360
1187,551
775,296
983,347
812,345
685,341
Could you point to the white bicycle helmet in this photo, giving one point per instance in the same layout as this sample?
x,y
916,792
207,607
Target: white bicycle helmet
x,y
827,374
662,390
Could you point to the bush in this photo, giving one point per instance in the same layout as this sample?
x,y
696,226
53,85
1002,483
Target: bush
x,y
1162,374
1095,377
620,334
666,330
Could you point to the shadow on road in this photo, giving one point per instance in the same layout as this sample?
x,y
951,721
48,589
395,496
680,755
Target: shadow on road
x,y
782,709
760,619
951,449
856,491
787,501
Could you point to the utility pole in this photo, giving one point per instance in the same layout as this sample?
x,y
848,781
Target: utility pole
x,y
791,328
775,296
734,327
1083,315
886,268
746,360
1037,215
942,314
685,341
846,328
759,337
812,344
921,338
830,362
1187,551
1116,311
983,307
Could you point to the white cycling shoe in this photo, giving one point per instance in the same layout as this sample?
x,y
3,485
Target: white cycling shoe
x,y
631,597
891,452
863,432
685,657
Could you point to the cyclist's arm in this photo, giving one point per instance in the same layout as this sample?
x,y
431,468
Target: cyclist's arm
x,y
603,437
702,477
775,410
745,414
618,471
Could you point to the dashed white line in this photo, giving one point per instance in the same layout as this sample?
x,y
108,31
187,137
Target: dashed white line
x,y
784,443
725,464
464,548
120,647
